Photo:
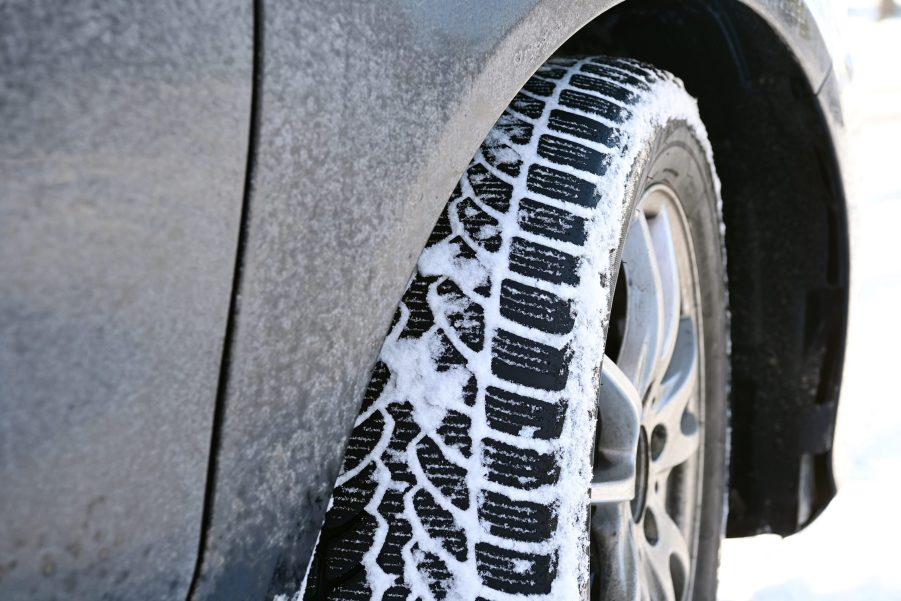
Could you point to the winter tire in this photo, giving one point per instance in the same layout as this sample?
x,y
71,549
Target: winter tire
x,y
498,453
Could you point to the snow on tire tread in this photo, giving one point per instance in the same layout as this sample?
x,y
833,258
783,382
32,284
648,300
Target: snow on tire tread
x,y
466,474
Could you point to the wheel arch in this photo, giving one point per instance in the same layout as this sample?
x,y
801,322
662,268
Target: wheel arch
x,y
757,71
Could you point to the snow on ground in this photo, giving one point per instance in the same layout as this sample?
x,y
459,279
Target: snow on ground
x,y
851,552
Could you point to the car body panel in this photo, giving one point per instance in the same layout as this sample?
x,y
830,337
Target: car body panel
x,y
122,164
367,117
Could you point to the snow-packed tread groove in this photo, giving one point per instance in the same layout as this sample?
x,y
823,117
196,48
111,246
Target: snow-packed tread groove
x,y
356,589
399,532
489,189
378,378
470,390
441,230
441,525
519,132
583,127
397,592
347,548
645,72
461,250
479,225
514,572
405,430
523,416
527,105
551,72
522,468
421,318
362,441
434,571
466,317
539,86
530,363
560,185
516,520
625,80
485,289
563,62
597,105
446,476
502,157
500,147
349,499
542,219
603,87
448,357
543,262
454,432
464,478
575,155
535,308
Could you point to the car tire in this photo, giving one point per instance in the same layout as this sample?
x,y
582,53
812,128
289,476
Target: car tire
x,y
493,428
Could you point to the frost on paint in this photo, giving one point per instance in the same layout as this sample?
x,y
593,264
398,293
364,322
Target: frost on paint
x,y
442,398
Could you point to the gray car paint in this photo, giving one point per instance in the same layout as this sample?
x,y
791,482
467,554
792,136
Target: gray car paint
x,y
368,115
115,281
122,156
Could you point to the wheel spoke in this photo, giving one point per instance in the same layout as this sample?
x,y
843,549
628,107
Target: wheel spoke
x,y
661,231
617,436
613,535
674,430
643,333
666,552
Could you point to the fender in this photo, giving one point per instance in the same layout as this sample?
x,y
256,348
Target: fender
x,y
367,115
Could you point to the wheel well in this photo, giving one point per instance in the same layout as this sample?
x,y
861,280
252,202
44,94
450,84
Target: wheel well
x,y
786,241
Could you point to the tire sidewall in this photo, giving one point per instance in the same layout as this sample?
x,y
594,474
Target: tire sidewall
x,y
674,157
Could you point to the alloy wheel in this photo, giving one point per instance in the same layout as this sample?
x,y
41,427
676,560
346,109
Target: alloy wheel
x,y
646,487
